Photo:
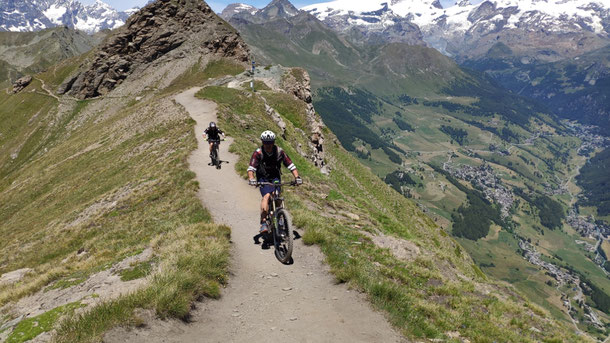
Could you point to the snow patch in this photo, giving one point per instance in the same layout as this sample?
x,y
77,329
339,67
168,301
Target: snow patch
x,y
54,13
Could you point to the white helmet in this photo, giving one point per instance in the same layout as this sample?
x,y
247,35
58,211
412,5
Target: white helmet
x,y
268,136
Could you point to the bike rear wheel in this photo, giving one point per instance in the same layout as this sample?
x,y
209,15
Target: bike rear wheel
x,y
283,237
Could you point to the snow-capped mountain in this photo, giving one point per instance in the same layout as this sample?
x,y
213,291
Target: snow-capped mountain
x,y
237,9
377,20
274,10
33,15
467,29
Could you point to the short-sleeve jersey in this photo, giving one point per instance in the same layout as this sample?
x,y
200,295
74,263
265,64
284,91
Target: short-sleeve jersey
x,y
213,133
267,166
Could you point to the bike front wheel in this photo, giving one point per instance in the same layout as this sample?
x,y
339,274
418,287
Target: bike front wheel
x,y
283,237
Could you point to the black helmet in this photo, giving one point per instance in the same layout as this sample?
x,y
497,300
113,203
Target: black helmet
x,y
212,124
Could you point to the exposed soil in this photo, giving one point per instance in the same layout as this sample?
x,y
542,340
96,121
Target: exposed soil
x,y
264,300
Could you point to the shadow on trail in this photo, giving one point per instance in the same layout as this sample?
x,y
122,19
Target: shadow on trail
x,y
267,241
217,164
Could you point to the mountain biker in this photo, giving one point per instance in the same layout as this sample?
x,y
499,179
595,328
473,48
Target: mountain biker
x,y
212,133
266,162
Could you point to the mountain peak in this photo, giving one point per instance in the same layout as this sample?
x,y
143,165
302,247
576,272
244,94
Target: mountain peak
x,y
100,4
421,11
28,15
457,29
278,9
163,29
236,9
463,3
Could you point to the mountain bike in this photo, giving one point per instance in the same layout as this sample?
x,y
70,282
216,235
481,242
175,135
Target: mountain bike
x,y
214,154
279,222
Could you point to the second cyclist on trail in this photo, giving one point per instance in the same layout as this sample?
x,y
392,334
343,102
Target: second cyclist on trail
x,y
266,163
212,134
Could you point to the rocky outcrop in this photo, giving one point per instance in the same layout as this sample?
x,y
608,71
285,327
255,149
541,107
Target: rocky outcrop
x,y
277,118
164,28
21,83
297,82
14,276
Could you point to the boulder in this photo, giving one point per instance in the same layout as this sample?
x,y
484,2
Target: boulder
x,y
21,83
14,276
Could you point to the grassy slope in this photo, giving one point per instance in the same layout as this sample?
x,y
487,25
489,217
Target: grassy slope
x,y
307,43
438,292
396,69
33,52
429,145
108,185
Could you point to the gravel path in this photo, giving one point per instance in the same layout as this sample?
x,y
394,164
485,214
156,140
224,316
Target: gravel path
x,y
265,301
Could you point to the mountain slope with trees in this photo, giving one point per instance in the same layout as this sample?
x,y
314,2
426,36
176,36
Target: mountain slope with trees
x,y
87,185
493,142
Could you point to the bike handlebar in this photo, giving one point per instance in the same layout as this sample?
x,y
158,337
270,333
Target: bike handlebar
x,y
289,183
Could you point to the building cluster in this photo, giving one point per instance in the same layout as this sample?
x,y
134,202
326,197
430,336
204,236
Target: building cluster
x,y
533,256
484,178
591,141
587,227
563,278
551,190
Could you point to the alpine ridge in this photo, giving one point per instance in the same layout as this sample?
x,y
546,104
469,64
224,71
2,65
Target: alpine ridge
x,y
276,9
27,15
548,30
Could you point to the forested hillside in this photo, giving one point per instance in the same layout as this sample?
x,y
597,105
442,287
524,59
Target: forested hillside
x,y
593,178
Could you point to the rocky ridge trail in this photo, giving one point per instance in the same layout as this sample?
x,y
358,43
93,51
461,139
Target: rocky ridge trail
x,y
163,30
264,300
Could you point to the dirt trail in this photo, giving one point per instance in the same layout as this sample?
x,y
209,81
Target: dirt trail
x,y
265,301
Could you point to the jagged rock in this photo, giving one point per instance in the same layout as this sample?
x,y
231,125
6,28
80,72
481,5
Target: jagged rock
x,y
21,83
298,83
276,118
162,29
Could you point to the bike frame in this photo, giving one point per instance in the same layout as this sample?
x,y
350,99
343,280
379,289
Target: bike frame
x,y
275,196
215,143
275,208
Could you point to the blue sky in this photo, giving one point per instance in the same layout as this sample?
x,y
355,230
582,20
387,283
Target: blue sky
x,y
219,5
